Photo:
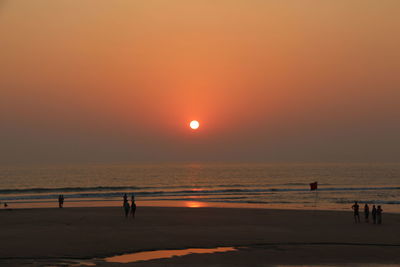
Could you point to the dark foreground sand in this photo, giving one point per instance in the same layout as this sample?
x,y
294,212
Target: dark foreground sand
x,y
45,237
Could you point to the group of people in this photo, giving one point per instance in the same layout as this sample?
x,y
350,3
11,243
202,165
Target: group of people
x,y
60,201
127,207
376,213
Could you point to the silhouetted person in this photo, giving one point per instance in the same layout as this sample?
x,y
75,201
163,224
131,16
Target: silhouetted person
x,y
356,208
60,201
366,213
133,206
379,211
126,208
125,199
5,205
373,214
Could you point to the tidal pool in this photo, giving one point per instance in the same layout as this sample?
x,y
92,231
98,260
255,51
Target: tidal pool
x,y
162,254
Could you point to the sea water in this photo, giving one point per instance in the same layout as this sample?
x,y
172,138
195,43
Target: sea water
x,y
277,185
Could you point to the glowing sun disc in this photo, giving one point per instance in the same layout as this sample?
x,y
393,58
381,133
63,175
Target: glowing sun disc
x,y
194,125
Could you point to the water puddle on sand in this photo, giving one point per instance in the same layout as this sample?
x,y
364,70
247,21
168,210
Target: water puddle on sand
x,y
163,254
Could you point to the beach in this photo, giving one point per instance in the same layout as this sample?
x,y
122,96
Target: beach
x,y
243,133
261,237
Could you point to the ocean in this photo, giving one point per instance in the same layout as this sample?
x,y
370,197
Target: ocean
x,y
278,185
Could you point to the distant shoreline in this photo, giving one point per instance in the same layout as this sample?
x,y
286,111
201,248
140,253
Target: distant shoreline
x,y
100,203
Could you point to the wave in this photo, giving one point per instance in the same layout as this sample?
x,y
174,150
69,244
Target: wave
x,y
130,188
347,201
236,188
101,188
69,189
114,192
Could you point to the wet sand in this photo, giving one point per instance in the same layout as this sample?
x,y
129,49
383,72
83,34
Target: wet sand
x,y
263,237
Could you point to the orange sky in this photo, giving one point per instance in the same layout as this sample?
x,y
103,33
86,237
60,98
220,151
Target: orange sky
x,y
268,80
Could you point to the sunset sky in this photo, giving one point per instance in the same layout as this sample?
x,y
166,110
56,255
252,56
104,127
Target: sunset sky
x,y
119,81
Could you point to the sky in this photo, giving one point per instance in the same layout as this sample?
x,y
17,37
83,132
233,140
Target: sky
x,y
278,80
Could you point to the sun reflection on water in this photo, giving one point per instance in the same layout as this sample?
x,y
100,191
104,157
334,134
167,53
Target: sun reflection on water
x,y
195,204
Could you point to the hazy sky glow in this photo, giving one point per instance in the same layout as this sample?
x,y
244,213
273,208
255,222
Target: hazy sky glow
x,y
267,80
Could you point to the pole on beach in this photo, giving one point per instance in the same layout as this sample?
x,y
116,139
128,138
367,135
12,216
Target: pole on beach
x,y
316,198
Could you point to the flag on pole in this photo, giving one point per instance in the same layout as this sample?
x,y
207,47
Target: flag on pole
x,y
314,186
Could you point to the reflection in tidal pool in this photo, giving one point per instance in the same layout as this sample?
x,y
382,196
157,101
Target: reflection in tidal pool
x,y
161,254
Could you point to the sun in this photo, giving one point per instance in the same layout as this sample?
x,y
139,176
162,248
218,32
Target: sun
x,y
194,125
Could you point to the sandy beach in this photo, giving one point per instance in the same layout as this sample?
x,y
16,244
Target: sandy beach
x,y
262,237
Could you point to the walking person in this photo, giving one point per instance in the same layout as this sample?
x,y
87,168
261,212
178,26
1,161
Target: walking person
x,y
379,211
133,206
366,213
373,214
356,208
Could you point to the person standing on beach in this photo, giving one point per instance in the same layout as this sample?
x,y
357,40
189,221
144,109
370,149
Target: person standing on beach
x,y
126,208
133,206
379,211
125,199
366,213
373,214
60,201
356,208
